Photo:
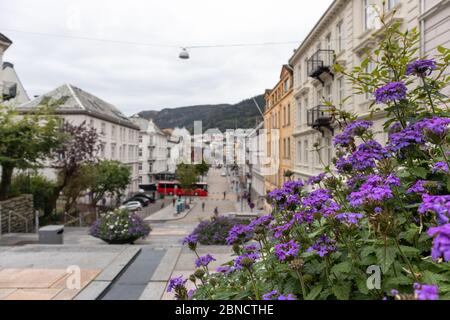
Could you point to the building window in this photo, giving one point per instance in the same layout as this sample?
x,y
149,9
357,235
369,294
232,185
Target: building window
x,y
299,74
289,114
140,152
102,150
328,151
284,116
299,152
369,69
341,89
113,151
328,93
339,36
392,3
306,157
140,138
113,132
299,112
370,15
103,128
288,148
140,166
91,123
286,85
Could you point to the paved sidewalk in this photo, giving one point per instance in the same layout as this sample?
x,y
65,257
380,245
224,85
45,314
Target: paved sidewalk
x,y
169,213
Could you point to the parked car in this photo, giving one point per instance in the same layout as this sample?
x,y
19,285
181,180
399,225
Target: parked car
x,y
132,206
223,174
143,201
143,195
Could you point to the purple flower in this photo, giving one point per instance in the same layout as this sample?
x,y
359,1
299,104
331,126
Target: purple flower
x,y
191,239
418,187
225,269
441,242
436,127
376,189
176,283
279,230
251,248
426,291
316,179
270,295
440,167
394,91
323,246
246,260
420,67
290,296
238,233
261,221
204,261
353,129
286,251
440,205
349,217
191,294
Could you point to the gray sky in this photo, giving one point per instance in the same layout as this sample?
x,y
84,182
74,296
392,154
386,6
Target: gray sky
x,y
136,78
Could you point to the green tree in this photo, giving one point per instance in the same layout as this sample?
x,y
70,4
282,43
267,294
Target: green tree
x,y
202,168
187,176
25,141
108,177
39,186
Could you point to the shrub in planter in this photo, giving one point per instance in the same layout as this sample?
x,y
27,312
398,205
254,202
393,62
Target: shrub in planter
x,y
216,230
382,212
119,227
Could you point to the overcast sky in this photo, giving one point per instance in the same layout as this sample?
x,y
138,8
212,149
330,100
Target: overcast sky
x,y
136,77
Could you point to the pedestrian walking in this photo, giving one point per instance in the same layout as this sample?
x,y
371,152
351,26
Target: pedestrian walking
x,y
216,211
173,201
203,206
224,195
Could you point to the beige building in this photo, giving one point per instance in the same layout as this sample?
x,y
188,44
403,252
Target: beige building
x,y
346,31
118,135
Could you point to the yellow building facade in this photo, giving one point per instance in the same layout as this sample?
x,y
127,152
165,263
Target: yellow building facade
x,y
279,124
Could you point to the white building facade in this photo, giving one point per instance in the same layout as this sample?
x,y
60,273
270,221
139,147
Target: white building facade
x,y
118,135
12,91
346,31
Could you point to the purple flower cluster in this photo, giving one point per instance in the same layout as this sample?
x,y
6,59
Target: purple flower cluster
x,y
440,205
349,217
176,283
261,221
420,67
440,167
323,246
353,129
204,261
191,239
366,154
275,295
441,242
288,195
426,291
320,201
245,260
437,126
280,230
239,233
286,251
394,91
418,187
225,269
316,179
376,189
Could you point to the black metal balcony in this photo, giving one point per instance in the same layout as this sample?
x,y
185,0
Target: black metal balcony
x,y
320,117
320,63
9,90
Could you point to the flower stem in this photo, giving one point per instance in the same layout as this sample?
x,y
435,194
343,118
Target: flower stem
x,y
302,283
406,260
258,297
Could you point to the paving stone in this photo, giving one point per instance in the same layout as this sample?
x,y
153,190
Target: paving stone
x,y
117,265
67,294
30,278
6,292
33,294
167,264
86,277
153,291
93,290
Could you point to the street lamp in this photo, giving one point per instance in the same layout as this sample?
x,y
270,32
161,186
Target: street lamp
x,y
184,54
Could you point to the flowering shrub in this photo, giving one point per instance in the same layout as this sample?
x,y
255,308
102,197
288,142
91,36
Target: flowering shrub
x,y
119,226
384,206
215,231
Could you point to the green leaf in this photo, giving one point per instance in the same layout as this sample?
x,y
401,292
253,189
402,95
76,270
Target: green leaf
x,y
420,172
386,256
342,291
344,267
441,49
314,292
410,251
433,278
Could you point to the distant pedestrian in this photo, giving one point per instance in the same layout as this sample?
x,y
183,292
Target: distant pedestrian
x,y
216,211
224,195
203,206
173,201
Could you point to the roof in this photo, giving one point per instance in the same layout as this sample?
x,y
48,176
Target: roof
x,y
4,38
74,100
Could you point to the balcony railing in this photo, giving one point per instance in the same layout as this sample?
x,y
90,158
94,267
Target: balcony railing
x,y
320,117
320,63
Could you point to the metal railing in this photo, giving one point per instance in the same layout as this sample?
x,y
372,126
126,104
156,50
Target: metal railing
x,y
320,62
27,221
